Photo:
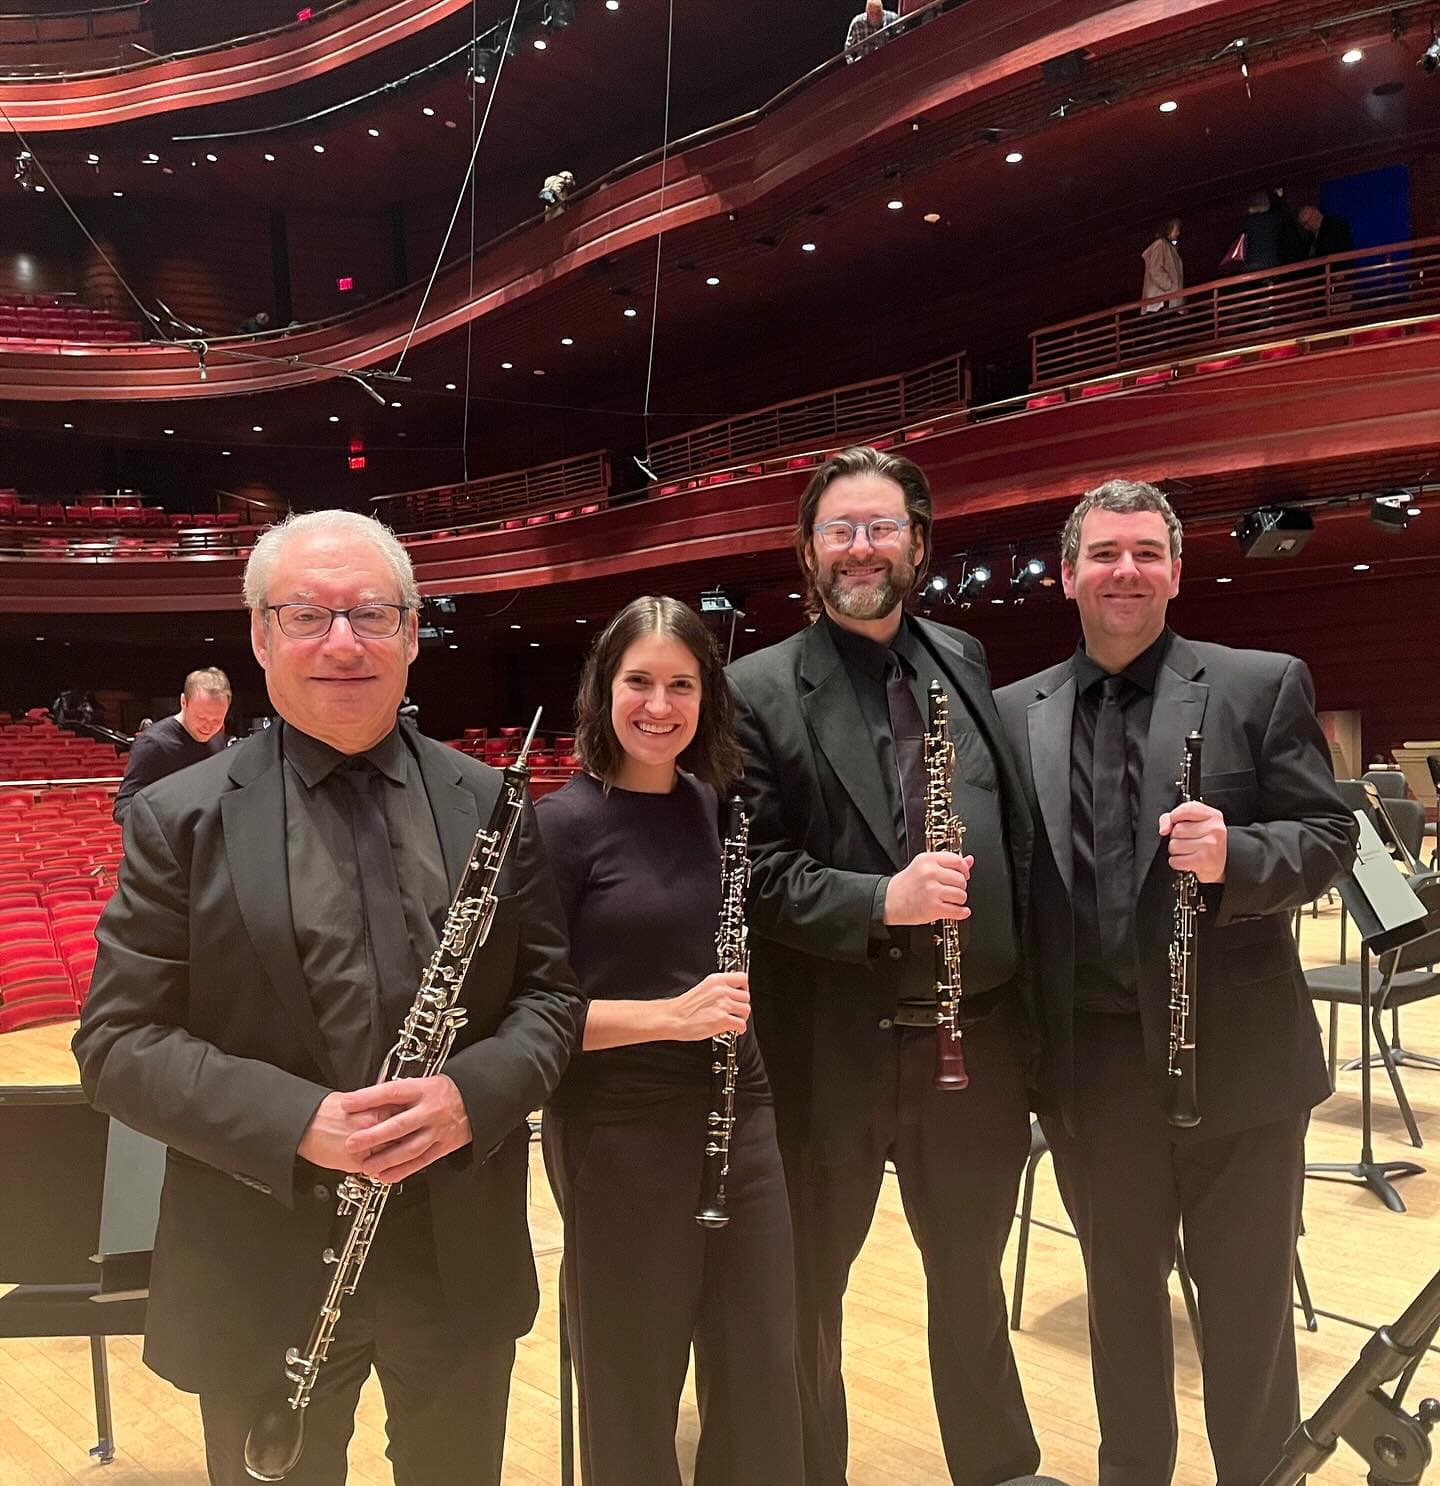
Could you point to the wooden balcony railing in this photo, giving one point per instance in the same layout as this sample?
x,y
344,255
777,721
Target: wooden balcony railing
x,y
541,492
866,408
1382,283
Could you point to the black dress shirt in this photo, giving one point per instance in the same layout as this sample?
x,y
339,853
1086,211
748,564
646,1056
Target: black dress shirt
x,y
326,900
990,951
161,749
1106,985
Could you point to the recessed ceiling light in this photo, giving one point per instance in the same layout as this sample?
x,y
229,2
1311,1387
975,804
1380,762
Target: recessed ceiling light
x,y
514,626
539,371
567,340
540,43
895,204
213,159
582,621
209,639
932,217
1351,57
318,148
749,629
270,157
257,428
373,133
1169,106
454,647
534,644
397,405
226,453
630,312
1362,567
807,247
68,425
1412,510
450,386
507,366
117,193
792,595
334,417
40,190
151,159
428,111
612,4
1224,580
1014,157
712,281
167,430
450,124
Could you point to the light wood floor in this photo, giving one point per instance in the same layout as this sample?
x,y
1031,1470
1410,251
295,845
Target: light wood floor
x,y
1361,1260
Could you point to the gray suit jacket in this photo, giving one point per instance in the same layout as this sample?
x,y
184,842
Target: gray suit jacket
x,y
822,836
199,1031
1267,769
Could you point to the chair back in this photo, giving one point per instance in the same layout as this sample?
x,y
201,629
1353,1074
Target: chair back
x,y
52,1156
1424,952
1389,783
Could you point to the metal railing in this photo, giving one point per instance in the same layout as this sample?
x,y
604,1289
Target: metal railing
x,y
545,489
85,23
1267,305
864,408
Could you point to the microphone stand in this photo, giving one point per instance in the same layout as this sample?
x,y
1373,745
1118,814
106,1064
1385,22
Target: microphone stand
x,y
1394,1444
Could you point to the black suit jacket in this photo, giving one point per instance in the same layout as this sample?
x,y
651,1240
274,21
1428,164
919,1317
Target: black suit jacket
x,y
1266,767
199,1031
821,837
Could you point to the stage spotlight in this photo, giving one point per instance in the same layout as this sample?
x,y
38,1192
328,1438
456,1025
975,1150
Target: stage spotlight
x,y
559,14
483,63
1027,578
1273,531
1391,512
23,177
937,584
1430,57
976,579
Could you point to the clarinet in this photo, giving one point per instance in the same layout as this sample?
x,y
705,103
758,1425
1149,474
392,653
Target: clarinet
x,y
944,831
277,1437
1182,1103
733,956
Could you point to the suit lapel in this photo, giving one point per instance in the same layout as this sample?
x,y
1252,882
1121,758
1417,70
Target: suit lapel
x,y
1048,722
253,819
835,720
1178,708
457,816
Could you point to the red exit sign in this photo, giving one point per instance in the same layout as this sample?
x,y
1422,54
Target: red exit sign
x,y
357,461
304,15
345,285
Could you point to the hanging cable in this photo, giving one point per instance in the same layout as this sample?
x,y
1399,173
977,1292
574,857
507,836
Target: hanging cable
x,y
470,292
660,215
460,199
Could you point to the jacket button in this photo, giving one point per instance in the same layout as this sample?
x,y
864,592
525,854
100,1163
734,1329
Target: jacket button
x,y
895,952
886,1024
321,1192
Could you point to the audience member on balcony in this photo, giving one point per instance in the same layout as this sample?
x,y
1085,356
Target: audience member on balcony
x,y
173,743
867,30
556,192
1325,234
1260,236
1164,279
257,324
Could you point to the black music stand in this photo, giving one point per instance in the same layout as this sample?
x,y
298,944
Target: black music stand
x,y
1387,915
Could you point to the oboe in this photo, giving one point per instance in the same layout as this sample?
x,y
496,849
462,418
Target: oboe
x,y
732,955
277,1437
944,831
1182,1100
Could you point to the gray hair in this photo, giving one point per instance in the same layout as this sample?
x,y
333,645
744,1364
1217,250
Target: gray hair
x,y
1122,496
347,524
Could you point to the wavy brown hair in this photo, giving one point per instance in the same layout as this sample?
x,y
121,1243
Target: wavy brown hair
x,y
713,753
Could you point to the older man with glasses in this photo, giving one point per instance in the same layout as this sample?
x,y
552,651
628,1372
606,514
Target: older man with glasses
x,y
276,908
842,971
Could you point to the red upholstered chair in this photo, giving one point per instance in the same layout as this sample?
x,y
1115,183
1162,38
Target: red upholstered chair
x,y
53,986
36,1013
37,968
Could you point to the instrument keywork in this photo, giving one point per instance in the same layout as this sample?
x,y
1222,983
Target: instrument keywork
x,y
277,1438
733,957
1182,1101
944,831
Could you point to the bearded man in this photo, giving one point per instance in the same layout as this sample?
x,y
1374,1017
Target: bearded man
x,y
832,721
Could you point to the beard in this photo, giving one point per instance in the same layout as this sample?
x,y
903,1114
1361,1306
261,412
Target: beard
x,y
869,600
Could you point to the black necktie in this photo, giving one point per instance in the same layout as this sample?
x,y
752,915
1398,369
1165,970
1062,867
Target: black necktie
x,y
1114,830
908,730
391,952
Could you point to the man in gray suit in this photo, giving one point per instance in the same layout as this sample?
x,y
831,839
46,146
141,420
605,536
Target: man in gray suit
x,y
842,974
1099,739
276,907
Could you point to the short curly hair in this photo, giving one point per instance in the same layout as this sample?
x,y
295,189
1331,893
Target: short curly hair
x,y
713,753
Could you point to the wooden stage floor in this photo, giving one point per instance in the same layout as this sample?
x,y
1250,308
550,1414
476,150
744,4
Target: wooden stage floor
x,y
1361,1261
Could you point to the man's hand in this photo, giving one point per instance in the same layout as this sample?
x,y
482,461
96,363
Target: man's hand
x,y
323,1143
420,1120
1197,840
933,886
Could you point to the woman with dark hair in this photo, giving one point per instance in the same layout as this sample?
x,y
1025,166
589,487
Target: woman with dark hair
x,y
634,841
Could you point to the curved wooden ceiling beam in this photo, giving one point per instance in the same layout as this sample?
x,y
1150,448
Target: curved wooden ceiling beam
x,y
221,74
768,152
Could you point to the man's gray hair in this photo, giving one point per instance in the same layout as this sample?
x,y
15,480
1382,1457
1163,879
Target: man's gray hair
x,y
1123,497
345,524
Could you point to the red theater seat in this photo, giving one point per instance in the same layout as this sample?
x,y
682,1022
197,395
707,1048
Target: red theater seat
x,y
36,1013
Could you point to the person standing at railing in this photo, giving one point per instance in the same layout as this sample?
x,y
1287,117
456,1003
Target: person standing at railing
x,y
1164,280
867,30
195,732
1324,235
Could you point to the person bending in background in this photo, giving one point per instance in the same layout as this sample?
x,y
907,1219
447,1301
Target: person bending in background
x,y
195,732
635,844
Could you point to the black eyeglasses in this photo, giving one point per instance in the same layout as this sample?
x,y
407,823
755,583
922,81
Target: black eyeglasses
x,y
312,621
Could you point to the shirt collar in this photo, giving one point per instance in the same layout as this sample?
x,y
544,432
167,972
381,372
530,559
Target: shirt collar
x,y
860,653
314,761
1141,673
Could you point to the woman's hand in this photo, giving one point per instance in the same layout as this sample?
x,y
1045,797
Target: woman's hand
x,y
720,1003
